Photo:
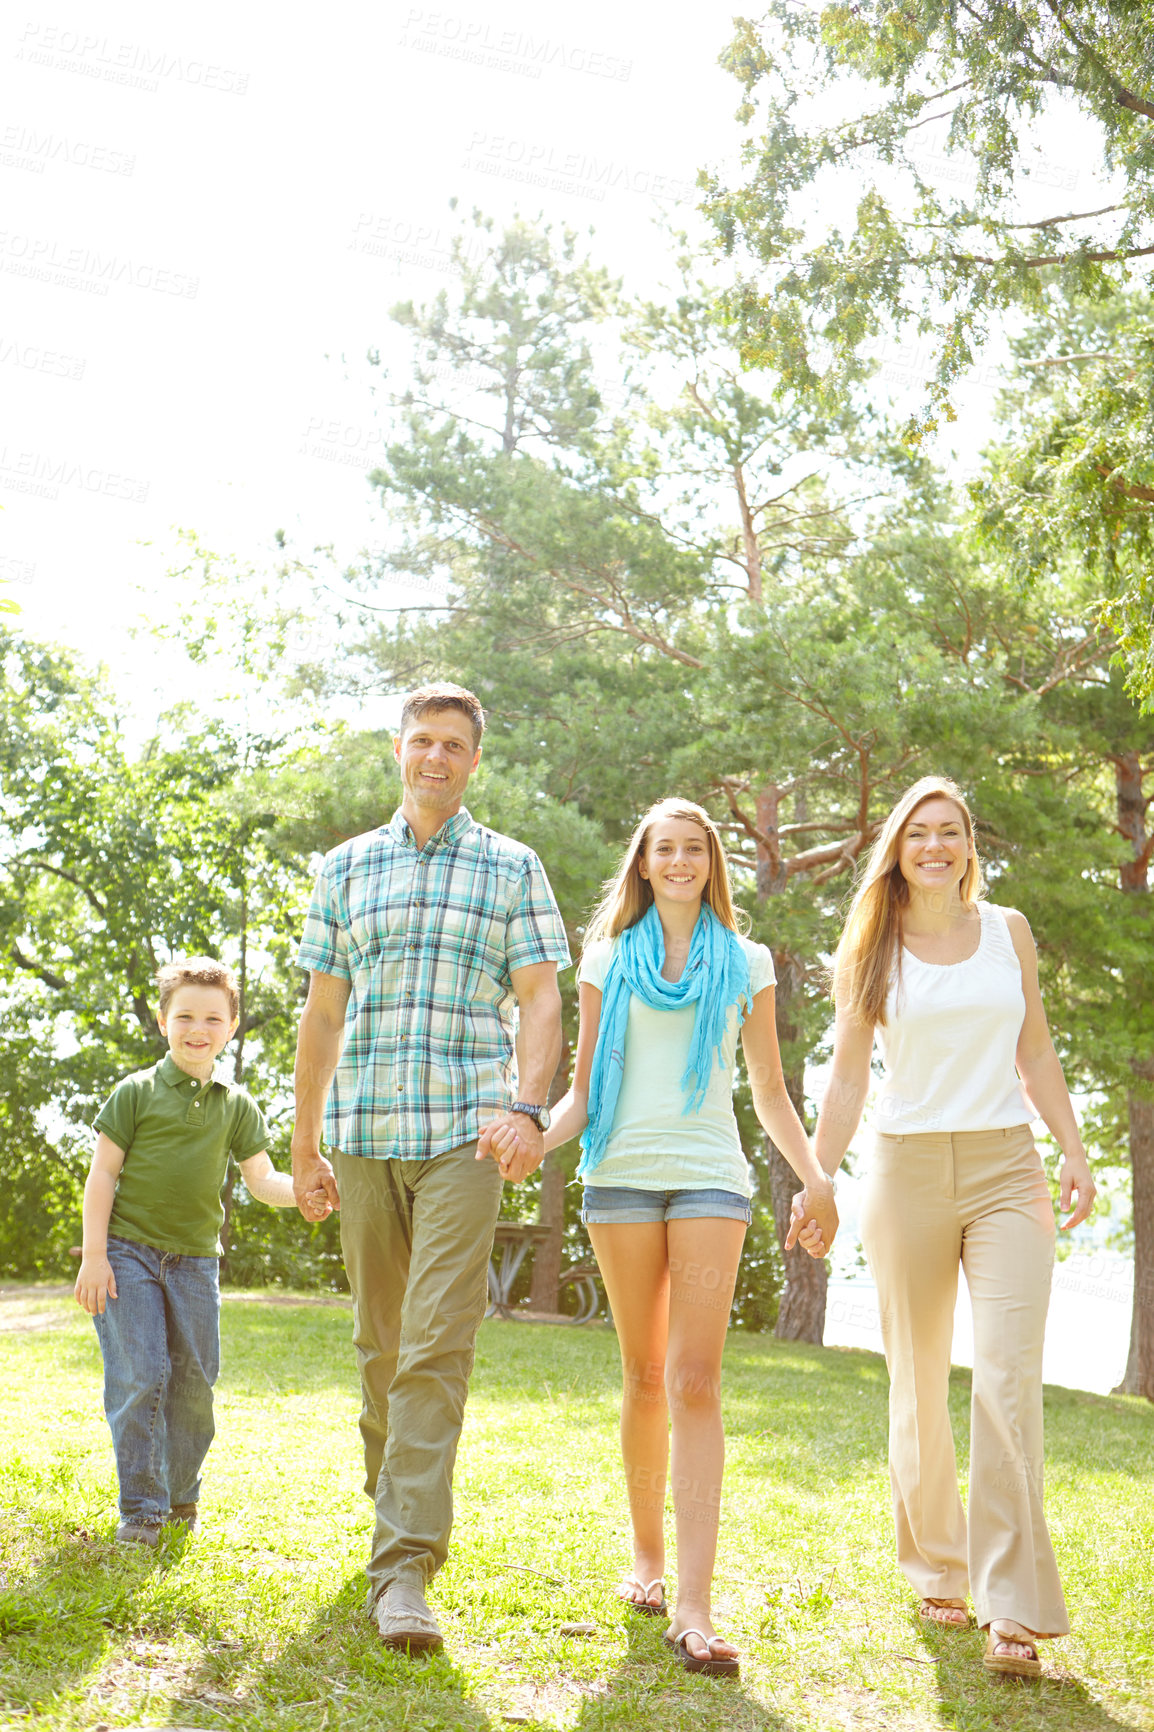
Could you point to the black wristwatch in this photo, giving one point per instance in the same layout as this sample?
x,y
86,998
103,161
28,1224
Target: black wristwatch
x,y
539,1115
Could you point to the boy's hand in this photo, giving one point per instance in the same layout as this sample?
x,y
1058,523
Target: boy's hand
x,y
95,1284
316,1206
312,1173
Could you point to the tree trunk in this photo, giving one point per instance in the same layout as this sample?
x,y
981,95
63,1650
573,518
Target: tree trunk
x,y
229,1190
1138,1378
801,1314
544,1288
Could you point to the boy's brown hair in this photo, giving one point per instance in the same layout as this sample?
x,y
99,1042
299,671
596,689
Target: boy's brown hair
x,y
443,695
198,971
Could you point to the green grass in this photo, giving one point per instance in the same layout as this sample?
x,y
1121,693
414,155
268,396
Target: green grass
x,y
259,1622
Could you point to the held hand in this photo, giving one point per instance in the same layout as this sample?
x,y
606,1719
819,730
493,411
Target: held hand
x,y
813,1220
94,1285
312,1173
316,1206
1075,1180
515,1143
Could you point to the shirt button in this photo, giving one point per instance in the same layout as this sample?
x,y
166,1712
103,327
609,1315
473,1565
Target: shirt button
x,y
196,1085
400,1088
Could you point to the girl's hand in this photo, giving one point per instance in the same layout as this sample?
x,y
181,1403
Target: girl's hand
x,y
813,1220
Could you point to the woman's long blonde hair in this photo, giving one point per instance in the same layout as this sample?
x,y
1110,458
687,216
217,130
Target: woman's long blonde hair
x,y
628,896
870,944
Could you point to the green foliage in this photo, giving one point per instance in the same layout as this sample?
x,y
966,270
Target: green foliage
x,y
949,227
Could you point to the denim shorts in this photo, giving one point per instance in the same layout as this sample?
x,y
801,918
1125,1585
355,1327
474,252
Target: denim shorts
x,y
605,1205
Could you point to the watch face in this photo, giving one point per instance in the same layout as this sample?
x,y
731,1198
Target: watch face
x,y
544,1117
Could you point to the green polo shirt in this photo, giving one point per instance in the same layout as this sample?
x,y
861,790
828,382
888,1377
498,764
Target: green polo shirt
x,y
177,1134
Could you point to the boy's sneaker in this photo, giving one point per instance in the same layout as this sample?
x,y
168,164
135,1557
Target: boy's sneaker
x,y
138,1533
186,1516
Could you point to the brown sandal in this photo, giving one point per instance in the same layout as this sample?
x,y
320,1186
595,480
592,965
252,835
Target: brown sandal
x,y
1011,1665
928,1607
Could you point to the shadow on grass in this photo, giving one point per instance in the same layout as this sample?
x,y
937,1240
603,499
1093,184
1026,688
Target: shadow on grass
x,y
971,1696
650,1688
55,1618
338,1662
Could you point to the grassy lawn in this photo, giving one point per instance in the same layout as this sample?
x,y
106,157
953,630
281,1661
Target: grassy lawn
x,y
259,1621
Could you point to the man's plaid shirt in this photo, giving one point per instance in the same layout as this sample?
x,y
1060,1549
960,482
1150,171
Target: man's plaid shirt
x,y
427,937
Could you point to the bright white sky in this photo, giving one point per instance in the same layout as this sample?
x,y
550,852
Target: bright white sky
x,y
208,214
218,205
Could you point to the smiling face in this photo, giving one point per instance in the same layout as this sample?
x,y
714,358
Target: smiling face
x,y
935,849
198,1025
676,860
437,756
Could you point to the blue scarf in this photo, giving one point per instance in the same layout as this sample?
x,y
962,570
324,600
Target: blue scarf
x,y
715,977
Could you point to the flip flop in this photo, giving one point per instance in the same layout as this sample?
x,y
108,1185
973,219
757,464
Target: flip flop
x,y
1011,1665
928,1606
660,1610
714,1666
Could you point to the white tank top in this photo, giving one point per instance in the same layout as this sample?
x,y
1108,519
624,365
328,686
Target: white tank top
x,y
949,1040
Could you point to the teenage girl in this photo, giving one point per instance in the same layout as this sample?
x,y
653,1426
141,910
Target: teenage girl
x,y
666,984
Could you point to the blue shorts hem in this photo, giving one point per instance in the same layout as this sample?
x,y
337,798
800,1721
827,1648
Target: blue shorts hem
x,y
611,1205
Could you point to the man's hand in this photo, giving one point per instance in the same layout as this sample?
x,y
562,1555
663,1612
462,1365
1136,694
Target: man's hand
x,y
95,1284
313,1174
515,1143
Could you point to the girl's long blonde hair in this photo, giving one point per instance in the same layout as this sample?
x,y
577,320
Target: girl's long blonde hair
x,y
628,896
870,944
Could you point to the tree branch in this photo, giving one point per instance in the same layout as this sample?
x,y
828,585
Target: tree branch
x,y
55,981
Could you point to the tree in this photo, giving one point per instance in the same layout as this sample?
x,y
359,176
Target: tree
x,y
111,863
668,597
1079,470
951,227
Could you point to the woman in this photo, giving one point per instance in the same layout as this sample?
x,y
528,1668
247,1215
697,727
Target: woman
x,y
666,983
949,984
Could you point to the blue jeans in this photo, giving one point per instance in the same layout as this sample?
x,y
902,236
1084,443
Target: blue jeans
x,y
160,1339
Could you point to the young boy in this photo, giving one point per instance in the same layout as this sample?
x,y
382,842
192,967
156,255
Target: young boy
x,y
152,1217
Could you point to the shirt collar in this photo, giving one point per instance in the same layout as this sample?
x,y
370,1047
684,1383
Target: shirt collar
x,y
451,830
170,1072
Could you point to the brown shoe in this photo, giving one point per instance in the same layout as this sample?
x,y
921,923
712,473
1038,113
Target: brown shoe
x,y
405,1621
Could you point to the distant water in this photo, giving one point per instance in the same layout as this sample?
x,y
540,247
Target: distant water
x,y
1087,1331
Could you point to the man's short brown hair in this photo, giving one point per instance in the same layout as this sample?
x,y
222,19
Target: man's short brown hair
x,y
443,695
198,971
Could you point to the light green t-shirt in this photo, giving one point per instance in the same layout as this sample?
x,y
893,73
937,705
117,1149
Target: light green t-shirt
x,y
177,1134
653,1144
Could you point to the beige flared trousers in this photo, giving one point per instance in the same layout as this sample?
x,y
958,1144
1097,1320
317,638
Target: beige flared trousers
x,y
978,1199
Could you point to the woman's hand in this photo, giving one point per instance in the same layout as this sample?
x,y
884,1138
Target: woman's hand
x,y
813,1220
1075,1181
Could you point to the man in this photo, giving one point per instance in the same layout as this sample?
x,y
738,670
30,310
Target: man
x,y
420,937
